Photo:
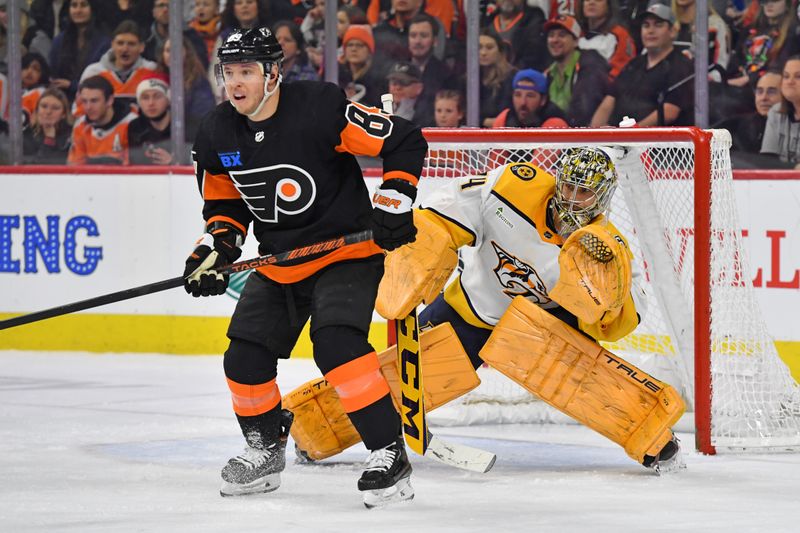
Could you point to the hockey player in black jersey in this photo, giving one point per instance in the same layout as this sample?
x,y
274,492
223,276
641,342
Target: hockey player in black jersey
x,y
278,160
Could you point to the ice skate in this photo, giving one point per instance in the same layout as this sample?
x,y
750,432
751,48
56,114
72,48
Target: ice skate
x,y
257,469
386,478
669,459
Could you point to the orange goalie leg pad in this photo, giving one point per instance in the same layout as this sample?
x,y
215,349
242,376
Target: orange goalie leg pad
x,y
321,426
579,377
253,400
445,365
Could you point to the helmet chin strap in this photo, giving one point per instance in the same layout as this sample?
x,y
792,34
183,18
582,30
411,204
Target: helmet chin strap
x,y
267,94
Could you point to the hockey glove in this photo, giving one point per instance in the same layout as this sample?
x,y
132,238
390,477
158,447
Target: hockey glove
x,y
215,249
392,219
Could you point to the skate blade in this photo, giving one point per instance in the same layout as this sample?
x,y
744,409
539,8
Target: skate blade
x,y
671,466
259,486
399,492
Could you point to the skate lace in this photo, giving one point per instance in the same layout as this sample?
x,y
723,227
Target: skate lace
x,y
381,460
253,457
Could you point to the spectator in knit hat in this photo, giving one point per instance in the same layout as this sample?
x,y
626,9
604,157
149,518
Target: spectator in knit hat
x,y
149,133
357,75
577,79
530,105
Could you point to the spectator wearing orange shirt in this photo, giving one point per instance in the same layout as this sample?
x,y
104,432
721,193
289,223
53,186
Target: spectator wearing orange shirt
x,y
100,137
207,22
604,34
521,27
123,65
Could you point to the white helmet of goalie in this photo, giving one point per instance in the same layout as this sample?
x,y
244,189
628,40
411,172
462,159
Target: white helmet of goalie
x,y
585,183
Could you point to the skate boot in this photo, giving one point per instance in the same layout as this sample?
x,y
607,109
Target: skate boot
x,y
668,460
258,469
386,478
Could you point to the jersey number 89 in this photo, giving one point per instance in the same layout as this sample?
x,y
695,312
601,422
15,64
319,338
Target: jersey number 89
x,y
372,121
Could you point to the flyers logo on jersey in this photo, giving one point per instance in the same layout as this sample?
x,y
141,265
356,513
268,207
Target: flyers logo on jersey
x,y
518,278
276,190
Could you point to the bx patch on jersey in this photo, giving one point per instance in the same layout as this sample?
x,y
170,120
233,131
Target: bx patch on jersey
x,y
230,159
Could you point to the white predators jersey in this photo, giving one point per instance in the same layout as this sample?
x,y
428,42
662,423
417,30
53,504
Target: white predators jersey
x,y
500,223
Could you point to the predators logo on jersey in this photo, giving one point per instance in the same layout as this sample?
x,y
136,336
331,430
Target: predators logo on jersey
x,y
518,278
524,172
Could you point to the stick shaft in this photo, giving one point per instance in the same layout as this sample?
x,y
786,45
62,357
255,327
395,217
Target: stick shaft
x,y
151,288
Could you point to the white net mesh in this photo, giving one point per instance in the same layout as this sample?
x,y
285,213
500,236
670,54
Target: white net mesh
x,y
755,401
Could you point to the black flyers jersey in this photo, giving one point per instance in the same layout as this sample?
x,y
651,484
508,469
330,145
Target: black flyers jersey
x,y
295,177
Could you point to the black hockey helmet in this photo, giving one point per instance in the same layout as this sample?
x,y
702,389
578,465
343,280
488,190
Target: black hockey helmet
x,y
256,44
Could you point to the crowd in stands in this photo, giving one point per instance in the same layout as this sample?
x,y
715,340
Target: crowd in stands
x,y
95,73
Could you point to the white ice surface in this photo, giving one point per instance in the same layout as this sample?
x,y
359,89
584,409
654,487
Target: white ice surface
x,y
135,443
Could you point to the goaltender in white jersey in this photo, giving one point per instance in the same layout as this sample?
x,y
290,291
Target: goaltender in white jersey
x,y
505,227
545,275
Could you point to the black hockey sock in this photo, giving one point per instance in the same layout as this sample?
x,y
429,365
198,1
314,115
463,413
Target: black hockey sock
x,y
378,423
262,430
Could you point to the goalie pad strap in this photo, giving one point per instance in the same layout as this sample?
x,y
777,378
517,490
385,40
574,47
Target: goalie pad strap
x,y
580,378
321,426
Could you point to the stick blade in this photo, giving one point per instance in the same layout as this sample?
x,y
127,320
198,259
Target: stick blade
x,y
460,455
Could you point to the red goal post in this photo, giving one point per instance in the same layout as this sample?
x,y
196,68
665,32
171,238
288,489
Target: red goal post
x,y
695,160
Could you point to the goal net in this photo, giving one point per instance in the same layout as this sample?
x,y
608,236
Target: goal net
x,y
703,331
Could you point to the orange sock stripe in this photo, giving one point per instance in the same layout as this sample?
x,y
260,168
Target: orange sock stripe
x,y
359,383
252,400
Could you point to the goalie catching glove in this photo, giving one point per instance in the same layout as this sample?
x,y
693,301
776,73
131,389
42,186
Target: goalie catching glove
x,y
595,278
392,220
215,249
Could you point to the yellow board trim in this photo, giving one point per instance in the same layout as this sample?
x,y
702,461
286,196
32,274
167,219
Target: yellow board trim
x,y
194,335
179,335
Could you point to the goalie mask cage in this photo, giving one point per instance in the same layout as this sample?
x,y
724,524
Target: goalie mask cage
x,y
703,331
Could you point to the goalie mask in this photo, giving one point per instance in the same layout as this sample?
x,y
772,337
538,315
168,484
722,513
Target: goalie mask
x,y
585,182
257,45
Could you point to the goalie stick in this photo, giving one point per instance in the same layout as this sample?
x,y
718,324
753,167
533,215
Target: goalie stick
x,y
241,266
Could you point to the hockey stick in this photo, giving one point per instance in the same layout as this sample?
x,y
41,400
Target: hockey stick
x,y
415,427
241,266
412,411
